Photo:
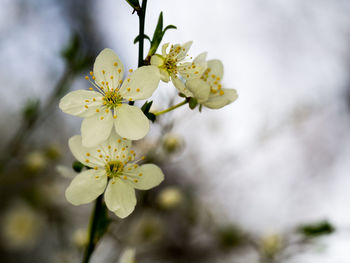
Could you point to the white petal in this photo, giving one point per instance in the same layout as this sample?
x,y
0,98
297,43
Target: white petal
x,y
180,86
199,88
87,156
201,59
97,128
157,60
86,187
190,70
131,123
109,63
164,47
128,256
120,198
141,84
82,103
164,75
146,177
216,68
217,101
184,50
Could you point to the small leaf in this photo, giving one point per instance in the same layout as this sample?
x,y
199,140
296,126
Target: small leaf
x,y
157,36
169,27
134,4
316,229
138,38
192,103
182,95
146,107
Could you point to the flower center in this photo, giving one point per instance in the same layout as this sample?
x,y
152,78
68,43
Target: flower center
x,y
170,65
112,99
114,168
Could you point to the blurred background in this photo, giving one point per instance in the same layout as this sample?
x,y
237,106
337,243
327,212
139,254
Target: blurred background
x,y
263,180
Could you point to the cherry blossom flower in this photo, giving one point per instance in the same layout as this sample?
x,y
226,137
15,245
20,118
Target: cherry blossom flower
x,y
108,106
114,171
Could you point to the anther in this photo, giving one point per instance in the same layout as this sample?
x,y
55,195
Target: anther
x,y
115,64
137,90
87,77
86,106
97,110
91,73
91,89
130,70
102,118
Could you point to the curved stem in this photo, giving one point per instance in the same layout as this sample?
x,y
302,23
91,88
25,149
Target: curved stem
x,y
92,230
171,108
142,14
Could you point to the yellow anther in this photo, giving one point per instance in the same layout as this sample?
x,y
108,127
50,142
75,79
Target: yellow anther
x,y
135,180
107,110
115,149
102,82
123,149
113,182
97,177
188,75
222,92
97,110
95,168
215,82
93,77
132,152
115,64
140,174
99,150
123,155
102,118
125,177
100,156
114,116
86,77
128,89
107,83
94,99
129,169
128,79
87,154
103,72
193,66
218,78
130,99
111,77
86,106
87,160
91,73
109,147
120,81
119,70
209,69
137,90
135,166
104,103
86,100
91,89
130,70
119,140
143,158
213,76
219,86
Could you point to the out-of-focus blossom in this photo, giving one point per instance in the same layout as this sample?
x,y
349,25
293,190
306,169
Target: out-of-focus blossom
x,y
170,197
35,161
20,227
80,238
115,170
128,256
172,143
108,106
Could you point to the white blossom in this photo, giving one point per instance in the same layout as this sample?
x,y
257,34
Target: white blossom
x,y
108,106
208,89
173,65
114,172
128,256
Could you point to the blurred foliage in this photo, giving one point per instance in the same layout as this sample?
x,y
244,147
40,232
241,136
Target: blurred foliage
x,y
316,229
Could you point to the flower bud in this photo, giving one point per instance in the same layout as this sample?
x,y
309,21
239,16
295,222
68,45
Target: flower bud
x,y
170,197
172,143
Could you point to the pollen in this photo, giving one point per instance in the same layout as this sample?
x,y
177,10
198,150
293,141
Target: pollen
x,y
94,99
114,116
99,150
135,180
115,64
123,149
93,77
86,106
102,118
87,160
97,110
140,174
97,177
222,92
128,89
119,140
120,81
86,100
91,73
100,156
138,90
87,77
129,169
111,77
119,70
95,168
87,154
125,177
103,72
130,70
91,89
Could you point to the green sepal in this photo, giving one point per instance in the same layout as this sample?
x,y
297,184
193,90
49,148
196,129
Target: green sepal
x,y
169,27
200,107
134,4
192,103
182,95
77,166
145,108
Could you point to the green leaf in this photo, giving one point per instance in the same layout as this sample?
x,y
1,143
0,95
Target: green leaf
x,y
77,166
138,38
192,103
169,27
134,4
157,36
316,229
151,116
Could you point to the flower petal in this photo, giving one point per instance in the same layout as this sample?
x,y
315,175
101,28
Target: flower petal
x,y
157,60
97,128
131,123
184,50
128,256
164,48
108,68
146,177
216,68
86,187
120,198
217,101
199,88
192,70
141,84
87,156
180,86
82,103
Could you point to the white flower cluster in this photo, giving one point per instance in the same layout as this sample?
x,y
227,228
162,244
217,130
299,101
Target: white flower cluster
x,y
110,123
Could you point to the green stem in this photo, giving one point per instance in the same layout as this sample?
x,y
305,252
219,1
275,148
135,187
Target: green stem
x,y
171,108
142,14
92,230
